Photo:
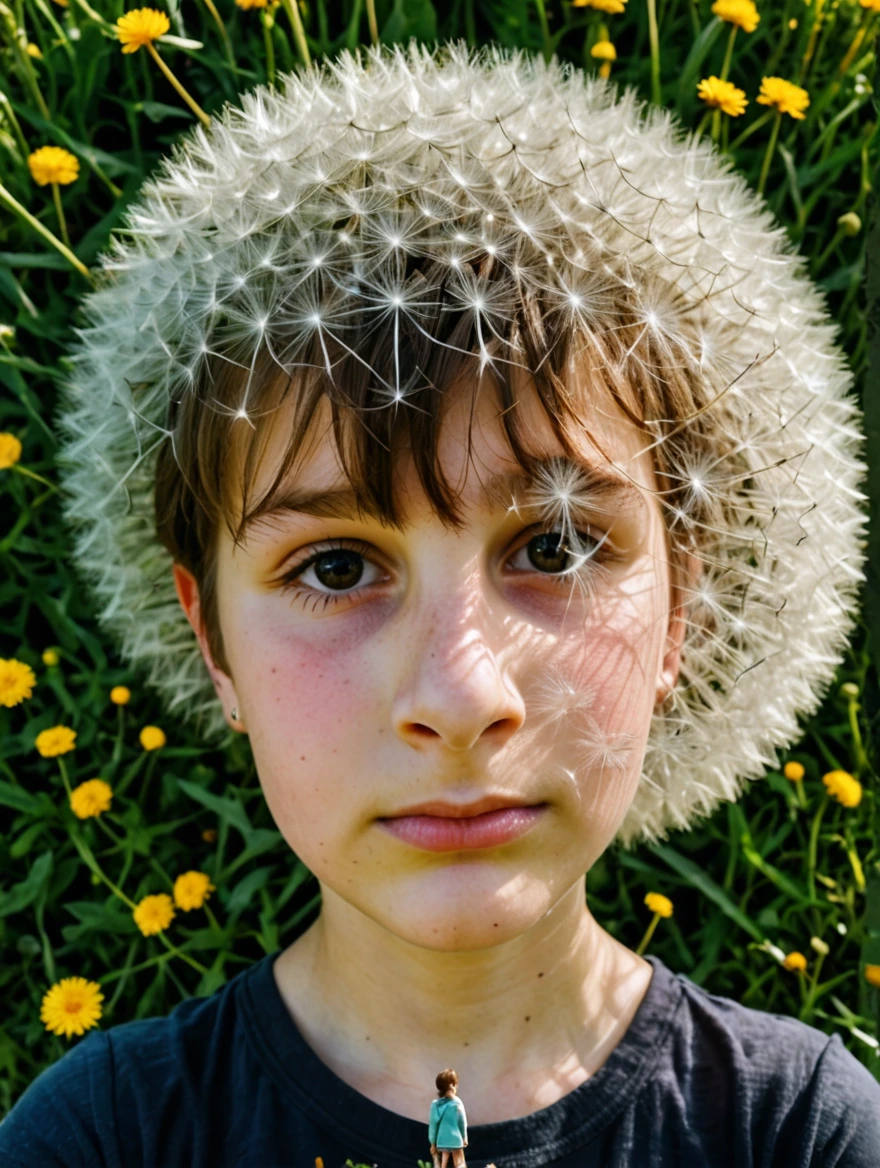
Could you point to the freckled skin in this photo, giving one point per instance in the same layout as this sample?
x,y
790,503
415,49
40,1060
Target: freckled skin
x,y
421,686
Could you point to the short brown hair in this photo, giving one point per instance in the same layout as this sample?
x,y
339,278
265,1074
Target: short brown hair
x,y
656,381
445,1080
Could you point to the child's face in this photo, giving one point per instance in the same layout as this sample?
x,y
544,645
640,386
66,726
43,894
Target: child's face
x,y
420,665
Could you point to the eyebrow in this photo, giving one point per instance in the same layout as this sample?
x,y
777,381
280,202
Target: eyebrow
x,y
600,484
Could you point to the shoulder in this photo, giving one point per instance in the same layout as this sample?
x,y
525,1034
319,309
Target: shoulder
x,y
785,1074
61,1118
74,1110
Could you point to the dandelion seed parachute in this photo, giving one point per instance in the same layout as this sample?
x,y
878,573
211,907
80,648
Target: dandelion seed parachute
x,y
576,190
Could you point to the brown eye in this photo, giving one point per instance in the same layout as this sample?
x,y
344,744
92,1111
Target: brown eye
x,y
545,553
338,568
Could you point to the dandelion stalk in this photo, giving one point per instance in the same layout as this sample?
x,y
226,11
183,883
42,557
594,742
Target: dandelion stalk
x,y
756,125
224,35
655,51
372,22
191,102
25,64
545,27
771,146
62,222
299,33
268,21
649,933
811,854
88,858
9,113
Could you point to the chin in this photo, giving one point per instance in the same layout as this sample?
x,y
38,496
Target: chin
x,y
468,907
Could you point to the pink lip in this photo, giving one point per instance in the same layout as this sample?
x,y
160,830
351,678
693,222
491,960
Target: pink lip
x,y
440,833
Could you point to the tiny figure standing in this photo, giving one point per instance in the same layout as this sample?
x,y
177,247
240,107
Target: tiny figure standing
x,y
447,1125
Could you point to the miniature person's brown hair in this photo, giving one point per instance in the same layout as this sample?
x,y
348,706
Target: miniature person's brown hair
x,y
445,1080
652,380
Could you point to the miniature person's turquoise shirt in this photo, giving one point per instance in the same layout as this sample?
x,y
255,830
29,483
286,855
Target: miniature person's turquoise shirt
x,y
228,1081
447,1124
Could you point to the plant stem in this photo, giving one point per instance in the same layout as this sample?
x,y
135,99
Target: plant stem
x,y
771,146
655,51
649,933
11,201
193,105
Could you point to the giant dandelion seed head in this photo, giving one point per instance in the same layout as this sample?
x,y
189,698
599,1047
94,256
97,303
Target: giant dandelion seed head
x,y
391,220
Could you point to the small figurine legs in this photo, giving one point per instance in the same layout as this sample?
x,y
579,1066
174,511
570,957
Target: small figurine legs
x,y
457,1157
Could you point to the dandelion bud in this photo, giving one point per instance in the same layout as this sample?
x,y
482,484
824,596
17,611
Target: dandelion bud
x,y
819,945
849,689
793,771
796,961
872,975
850,222
659,904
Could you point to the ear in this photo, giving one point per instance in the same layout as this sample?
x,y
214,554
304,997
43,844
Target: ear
x,y
685,576
188,594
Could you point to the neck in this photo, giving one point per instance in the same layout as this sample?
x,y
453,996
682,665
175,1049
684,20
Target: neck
x,y
523,1022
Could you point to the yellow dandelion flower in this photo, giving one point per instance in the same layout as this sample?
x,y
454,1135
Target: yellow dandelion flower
x,y
141,27
742,13
612,6
873,5
152,738
209,835
722,95
872,975
247,4
787,98
10,451
53,164
192,889
792,24
17,681
54,741
90,798
62,3
604,51
154,913
795,960
71,1006
119,695
50,657
793,771
843,787
34,51
658,903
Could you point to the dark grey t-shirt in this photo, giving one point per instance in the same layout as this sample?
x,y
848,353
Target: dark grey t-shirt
x,y
228,1082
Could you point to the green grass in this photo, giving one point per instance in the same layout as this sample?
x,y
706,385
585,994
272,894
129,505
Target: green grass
x,y
753,881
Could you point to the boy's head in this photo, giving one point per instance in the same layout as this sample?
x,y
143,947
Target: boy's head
x,y
446,1081
566,418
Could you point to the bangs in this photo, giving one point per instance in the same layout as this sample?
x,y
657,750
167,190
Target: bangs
x,y
386,377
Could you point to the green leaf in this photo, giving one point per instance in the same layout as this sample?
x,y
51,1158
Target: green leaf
x,y
19,798
410,18
228,810
26,892
243,892
705,884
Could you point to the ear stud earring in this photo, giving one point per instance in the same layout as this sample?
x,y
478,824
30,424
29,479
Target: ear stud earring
x,y
233,713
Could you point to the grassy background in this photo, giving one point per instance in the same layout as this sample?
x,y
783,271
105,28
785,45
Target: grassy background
x,y
754,882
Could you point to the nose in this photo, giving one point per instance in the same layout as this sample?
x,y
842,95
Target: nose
x,y
455,690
